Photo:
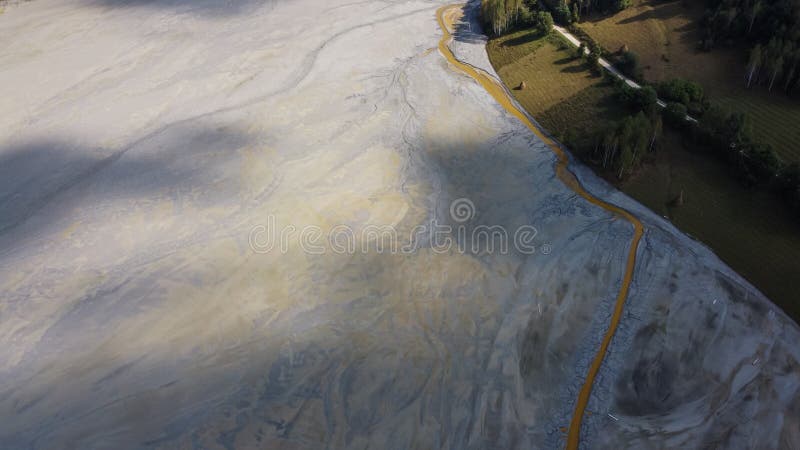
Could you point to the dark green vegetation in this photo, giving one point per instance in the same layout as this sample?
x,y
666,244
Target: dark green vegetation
x,y
664,166
719,133
725,129
501,16
770,28
749,229
566,12
687,93
562,93
567,95
668,39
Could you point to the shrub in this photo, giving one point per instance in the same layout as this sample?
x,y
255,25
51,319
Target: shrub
x,y
562,14
646,99
643,99
527,18
622,4
675,114
544,22
628,63
581,51
680,90
594,60
765,162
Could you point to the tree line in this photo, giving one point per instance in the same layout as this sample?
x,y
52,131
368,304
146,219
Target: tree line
x,y
728,136
566,12
502,16
621,146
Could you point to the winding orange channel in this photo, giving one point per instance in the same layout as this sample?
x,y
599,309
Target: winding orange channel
x,y
446,15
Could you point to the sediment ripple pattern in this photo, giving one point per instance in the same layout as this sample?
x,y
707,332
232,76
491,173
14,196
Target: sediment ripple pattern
x,y
140,144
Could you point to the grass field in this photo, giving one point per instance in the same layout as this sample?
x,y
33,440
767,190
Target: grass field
x,y
665,36
746,228
561,93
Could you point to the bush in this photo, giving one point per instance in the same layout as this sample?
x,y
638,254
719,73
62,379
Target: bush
x,y
628,64
646,99
765,162
697,109
544,22
682,91
626,94
675,114
527,18
594,60
619,5
562,14
580,52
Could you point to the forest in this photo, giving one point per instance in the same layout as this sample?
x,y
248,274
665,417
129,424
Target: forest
x,y
502,16
770,29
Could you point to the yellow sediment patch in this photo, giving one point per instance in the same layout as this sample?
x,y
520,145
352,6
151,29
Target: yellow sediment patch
x,y
70,229
446,15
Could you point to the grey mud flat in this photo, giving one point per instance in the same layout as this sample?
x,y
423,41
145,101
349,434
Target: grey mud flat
x,y
142,142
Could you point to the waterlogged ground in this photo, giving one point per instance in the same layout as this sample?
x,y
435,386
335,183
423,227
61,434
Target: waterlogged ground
x,y
143,142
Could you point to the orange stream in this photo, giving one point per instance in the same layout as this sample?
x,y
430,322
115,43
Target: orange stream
x,y
445,17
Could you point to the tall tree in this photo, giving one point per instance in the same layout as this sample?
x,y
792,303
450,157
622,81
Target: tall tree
x,y
657,126
776,67
774,60
756,57
754,11
792,62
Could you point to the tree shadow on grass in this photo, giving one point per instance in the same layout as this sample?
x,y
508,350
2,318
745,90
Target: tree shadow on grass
x,y
526,38
576,68
660,11
564,60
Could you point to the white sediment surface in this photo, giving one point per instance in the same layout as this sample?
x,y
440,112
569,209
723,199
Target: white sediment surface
x,y
141,143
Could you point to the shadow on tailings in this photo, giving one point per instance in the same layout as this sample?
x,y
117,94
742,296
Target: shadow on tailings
x,y
132,366
204,8
468,29
46,184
